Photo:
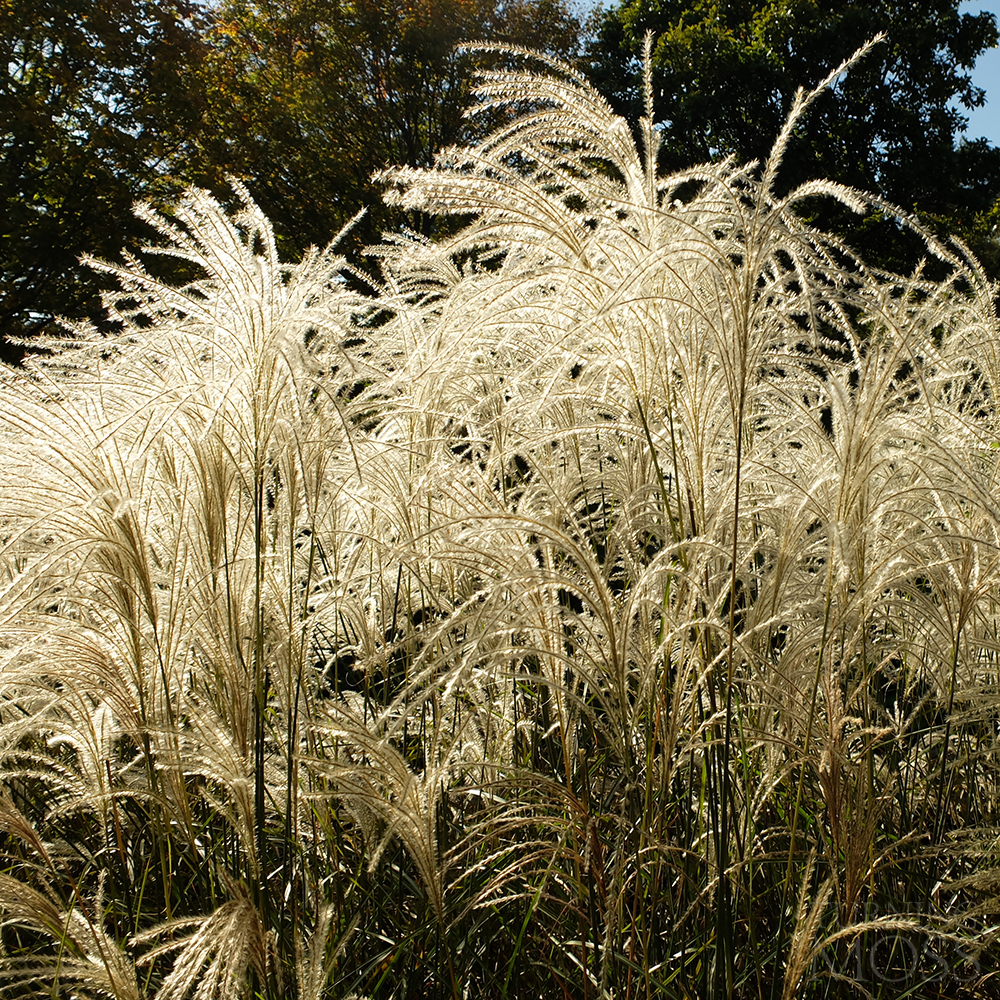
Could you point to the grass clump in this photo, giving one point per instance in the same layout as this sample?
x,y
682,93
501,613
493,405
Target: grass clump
x,y
606,606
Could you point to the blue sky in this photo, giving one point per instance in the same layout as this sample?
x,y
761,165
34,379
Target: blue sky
x,y
986,121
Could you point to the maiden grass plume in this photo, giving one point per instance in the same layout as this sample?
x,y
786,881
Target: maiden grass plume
x,y
605,605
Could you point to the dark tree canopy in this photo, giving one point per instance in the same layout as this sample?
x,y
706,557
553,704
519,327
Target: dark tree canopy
x,y
727,72
309,98
105,102
95,111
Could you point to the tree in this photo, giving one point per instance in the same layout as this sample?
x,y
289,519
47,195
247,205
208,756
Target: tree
x,y
725,75
95,109
106,102
307,100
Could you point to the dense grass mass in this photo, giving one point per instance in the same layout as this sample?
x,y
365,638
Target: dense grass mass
x,y
606,606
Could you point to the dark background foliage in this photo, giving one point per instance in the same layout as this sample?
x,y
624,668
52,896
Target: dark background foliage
x,y
108,101
306,100
96,108
726,74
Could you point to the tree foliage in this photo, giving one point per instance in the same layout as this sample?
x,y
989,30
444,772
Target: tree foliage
x,y
307,100
95,109
726,72
104,102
